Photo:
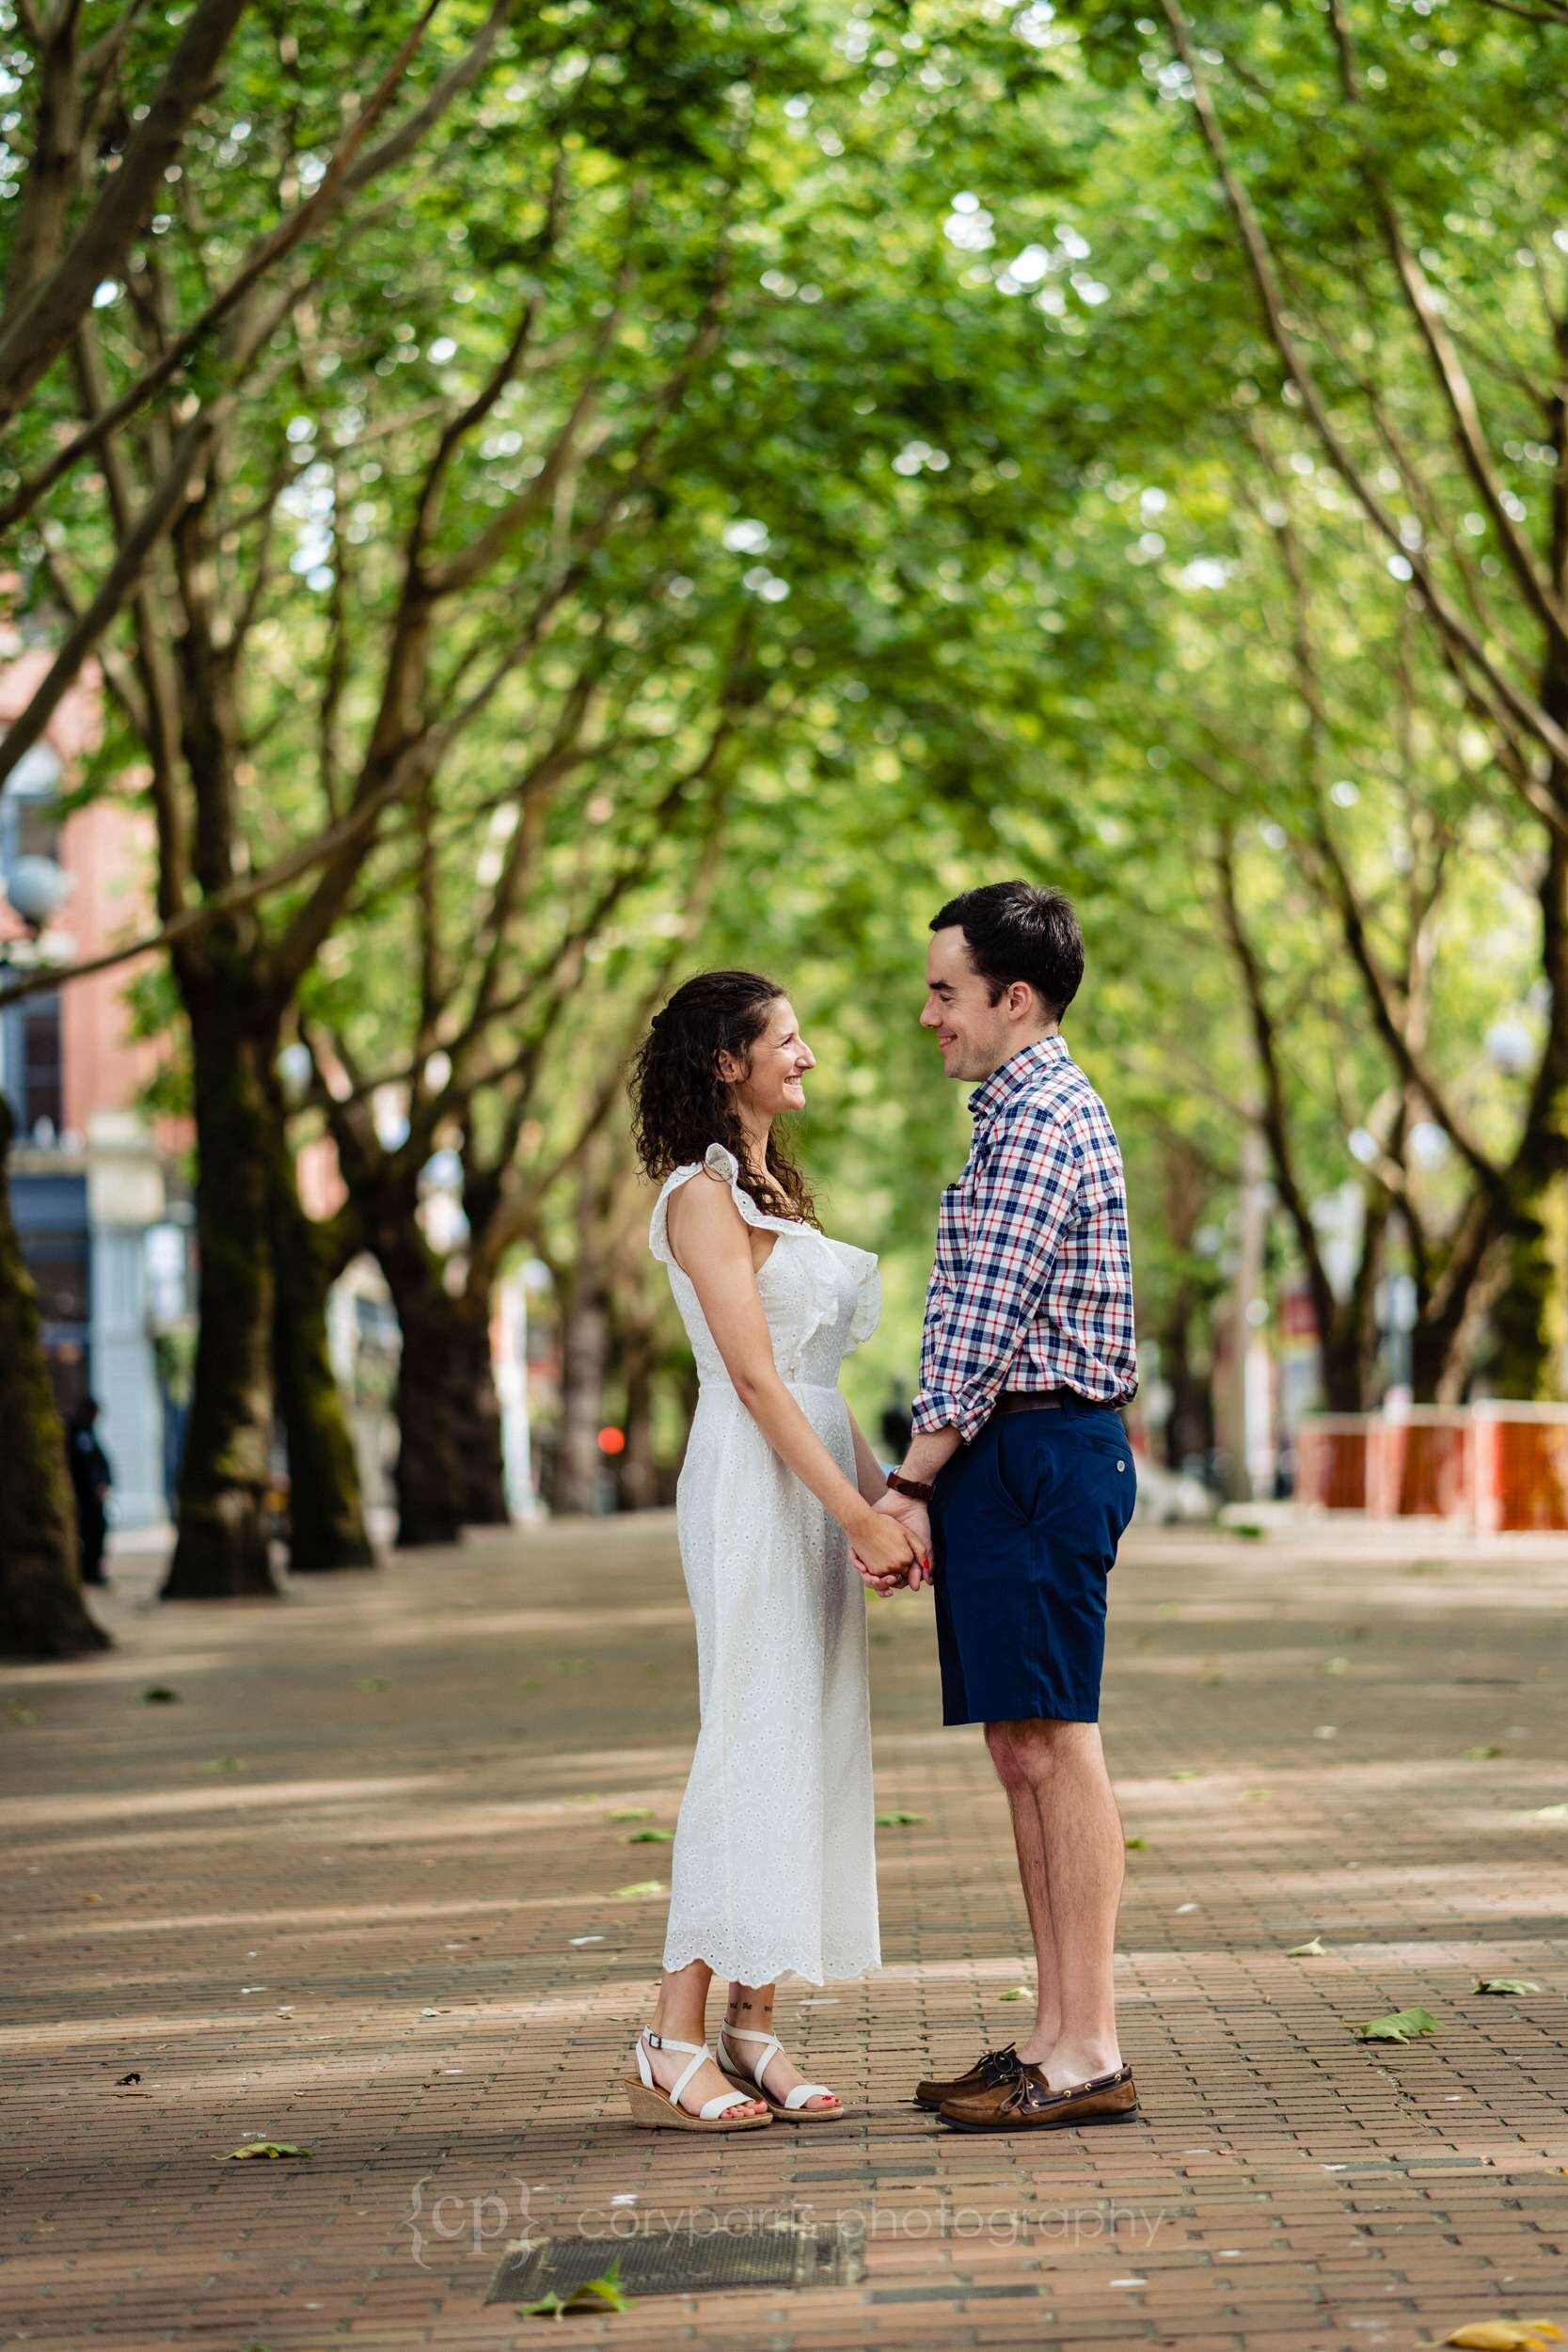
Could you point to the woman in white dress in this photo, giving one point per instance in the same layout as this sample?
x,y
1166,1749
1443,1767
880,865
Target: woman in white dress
x,y
773,1867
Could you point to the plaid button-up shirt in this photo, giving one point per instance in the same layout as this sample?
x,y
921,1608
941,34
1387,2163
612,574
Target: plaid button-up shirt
x,y
1032,1283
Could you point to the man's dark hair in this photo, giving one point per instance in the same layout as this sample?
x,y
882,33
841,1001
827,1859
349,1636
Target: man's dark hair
x,y
1016,932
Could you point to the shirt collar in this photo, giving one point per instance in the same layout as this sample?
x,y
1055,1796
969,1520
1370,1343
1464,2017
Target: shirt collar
x,y
1020,1071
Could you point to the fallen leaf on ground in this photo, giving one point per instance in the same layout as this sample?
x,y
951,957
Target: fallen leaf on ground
x,y
634,1813
1316,1949
1505,1984
605,2293
267,2148
1134,1845
1334,1665
897,1821
1401,2025
651,1838
643,1886
158,1694
1505,2335
1188,1772
1019,1993
1550,1813
1482,1754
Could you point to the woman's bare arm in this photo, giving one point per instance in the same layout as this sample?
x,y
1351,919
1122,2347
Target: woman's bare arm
x,y
869,1474
712,1246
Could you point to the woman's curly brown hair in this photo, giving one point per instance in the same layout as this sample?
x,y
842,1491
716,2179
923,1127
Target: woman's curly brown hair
x,y
680,1105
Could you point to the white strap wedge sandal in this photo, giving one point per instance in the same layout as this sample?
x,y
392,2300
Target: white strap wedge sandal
x,y
792,2107
652,2104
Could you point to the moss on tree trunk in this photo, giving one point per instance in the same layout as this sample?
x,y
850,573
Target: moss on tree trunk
x,y
42,1613
1529,1355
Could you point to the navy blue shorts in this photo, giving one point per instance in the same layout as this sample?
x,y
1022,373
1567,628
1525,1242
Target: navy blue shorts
x,y
1026,1520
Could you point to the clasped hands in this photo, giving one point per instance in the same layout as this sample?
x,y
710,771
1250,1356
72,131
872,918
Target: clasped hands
x,y
899,1556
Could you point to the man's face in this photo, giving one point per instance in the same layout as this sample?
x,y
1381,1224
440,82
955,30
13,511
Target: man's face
x,y
976,1036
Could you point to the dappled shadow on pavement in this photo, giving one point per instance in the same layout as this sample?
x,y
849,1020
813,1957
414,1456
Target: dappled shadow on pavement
x,y
367,1884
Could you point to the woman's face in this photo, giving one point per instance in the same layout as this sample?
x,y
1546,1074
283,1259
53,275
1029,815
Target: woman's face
x,y
778,1059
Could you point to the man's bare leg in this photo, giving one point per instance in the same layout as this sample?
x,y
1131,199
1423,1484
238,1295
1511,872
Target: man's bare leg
x,y
1062,1766
1029,1840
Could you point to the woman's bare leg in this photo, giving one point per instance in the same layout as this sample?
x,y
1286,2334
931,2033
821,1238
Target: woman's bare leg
x,y
681,2009
750,2007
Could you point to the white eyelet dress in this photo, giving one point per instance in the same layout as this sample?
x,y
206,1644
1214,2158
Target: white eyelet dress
x,y
773,1872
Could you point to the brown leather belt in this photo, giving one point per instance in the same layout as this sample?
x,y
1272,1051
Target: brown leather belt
x,y
1038,1400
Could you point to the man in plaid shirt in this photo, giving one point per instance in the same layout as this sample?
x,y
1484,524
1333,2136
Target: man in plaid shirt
x,y
1020,1476
1033,1282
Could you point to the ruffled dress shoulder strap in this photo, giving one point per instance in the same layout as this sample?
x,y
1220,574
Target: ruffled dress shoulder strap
x,y
721,1163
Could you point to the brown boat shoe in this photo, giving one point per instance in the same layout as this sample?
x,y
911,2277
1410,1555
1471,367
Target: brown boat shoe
x,y
991,2068
1029,2104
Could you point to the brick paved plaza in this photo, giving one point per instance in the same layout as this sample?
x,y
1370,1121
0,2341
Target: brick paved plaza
x,y
330,1895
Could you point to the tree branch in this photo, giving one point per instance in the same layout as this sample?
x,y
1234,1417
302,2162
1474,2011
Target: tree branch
x,y
37,330
1259,257
343,177
1448,368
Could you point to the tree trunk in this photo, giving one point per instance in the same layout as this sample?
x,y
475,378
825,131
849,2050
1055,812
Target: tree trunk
x,y
327,1518
42,1613
1530,1317
475,1408
584,1355
637,1476
1349,1345
222,1547
449,1470
1190,1424
430,1478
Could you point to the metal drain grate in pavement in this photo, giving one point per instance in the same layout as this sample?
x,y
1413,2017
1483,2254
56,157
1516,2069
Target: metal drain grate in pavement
x,y
789,2254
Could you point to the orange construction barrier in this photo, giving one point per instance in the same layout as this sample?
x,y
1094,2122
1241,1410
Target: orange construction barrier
x,y
1495,1464
1520,1474
1331,1461
1418,1463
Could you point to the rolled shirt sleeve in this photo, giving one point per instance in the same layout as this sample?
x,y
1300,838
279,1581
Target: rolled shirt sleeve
x,y
1024,1193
